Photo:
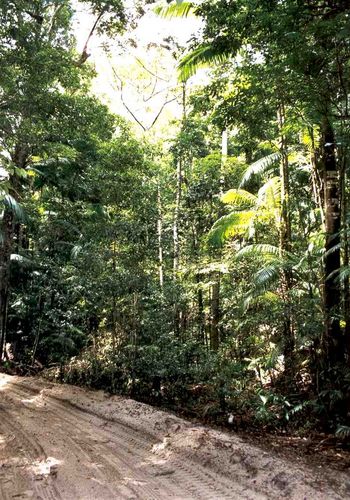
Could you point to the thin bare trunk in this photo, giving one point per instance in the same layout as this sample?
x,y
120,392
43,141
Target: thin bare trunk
x,y
215,313
200,305
224,152
160,238
36,341
176,242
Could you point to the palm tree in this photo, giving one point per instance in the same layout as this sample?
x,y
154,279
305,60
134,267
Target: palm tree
x,y
250,211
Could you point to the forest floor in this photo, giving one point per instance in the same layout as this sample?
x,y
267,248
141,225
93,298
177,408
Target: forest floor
x,y
64,442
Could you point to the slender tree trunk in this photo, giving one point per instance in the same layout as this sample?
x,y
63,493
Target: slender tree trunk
x,y
200,310
160,238
176,242
317,179
345,252
114,303
224,152
177,213
333,339
5,255
19,158
215,313
285,246
346,262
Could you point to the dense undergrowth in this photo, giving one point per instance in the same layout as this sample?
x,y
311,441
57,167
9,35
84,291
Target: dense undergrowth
x,y
210,386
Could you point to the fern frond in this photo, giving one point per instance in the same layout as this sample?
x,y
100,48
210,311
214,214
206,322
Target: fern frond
x,y
229,226
201,57
260,166
239,198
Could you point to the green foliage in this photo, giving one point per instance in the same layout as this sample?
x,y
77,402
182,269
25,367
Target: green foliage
x,y
91,216
178,9
260,166
239,197
231,225
202,57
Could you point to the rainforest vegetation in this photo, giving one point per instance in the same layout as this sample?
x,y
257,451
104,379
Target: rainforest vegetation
x,y
207,268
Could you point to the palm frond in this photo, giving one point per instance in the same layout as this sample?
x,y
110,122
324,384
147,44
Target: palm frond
x,y
262,281
51,162
239,198
15,207
265,299
76,250
333,249
267,275
36,170
343,431
183,9
269,194
259,250
201,57
259,167
229,226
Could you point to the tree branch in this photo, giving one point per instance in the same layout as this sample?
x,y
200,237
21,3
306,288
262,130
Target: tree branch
x,y
85,55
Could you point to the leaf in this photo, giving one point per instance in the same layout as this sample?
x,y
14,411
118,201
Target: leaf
x,y
258,250
76,250
268,274
263,398
239,197
228,226
260,166
343,431
13,205
262,280
269,194
178,9
201,57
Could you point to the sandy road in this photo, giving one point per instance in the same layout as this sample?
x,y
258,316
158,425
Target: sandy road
x,y
59,442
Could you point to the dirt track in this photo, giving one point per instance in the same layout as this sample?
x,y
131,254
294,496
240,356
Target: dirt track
x,y
61,442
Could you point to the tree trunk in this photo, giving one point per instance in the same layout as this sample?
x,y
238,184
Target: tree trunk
x,y
19,158
5,255
176,242
224,152
160,238
333,340
215,313
285,246
200,305
346,257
